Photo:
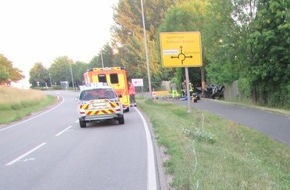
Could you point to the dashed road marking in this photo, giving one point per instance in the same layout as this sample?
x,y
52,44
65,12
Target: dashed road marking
x,y
26,154
58,134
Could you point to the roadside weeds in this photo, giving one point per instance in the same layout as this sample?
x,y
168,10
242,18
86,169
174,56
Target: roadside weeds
x,y
203,151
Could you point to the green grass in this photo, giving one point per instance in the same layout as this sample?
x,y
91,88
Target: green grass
x,y
17,103
208,152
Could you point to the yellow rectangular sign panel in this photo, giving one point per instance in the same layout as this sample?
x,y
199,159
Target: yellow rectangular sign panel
x,y
181,49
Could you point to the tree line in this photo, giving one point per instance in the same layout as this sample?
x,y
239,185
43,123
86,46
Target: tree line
x,y
243,40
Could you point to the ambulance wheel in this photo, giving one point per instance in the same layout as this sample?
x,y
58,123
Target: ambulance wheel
x,y
82,124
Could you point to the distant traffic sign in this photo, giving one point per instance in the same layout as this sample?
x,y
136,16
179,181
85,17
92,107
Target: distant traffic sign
x,y
137,82
181,49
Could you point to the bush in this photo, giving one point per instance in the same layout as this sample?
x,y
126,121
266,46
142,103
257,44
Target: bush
x,y
244,88
288,89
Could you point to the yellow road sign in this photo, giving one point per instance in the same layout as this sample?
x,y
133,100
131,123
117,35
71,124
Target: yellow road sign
x,y
181,49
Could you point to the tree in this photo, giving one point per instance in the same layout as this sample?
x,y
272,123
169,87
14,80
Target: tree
x,y
79,68
187,16
270,69
128,35
39,75
94,62
220,37
106,57
226,42
60,70
4,74
7,72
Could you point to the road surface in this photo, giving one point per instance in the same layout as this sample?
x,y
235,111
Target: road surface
x,y
275,125
50,151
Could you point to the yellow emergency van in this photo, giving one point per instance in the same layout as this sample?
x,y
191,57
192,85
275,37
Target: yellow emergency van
x,y
113,76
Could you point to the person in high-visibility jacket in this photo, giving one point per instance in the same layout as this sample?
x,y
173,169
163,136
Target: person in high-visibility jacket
x,y
174,92
190,88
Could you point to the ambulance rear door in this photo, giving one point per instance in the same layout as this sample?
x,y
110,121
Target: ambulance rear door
x,y
118,81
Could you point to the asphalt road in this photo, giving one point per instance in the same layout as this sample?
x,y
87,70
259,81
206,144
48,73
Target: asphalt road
x,y
50,151
275,125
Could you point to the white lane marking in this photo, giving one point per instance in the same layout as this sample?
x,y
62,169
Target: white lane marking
x,y
151,172
32,117
58,134
23,155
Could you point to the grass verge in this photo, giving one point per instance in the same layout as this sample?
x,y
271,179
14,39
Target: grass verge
x,y
18,103
208,152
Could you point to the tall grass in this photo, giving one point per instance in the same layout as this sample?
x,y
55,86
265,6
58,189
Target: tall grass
x,y
207,152
16,103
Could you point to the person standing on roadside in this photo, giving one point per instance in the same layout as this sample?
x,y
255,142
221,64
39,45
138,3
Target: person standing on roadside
x,y
132,93
174,93
184,88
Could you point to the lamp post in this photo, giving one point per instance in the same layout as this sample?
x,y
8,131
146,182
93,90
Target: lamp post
x,y
146,50
151,175
50,79
102,58
72,77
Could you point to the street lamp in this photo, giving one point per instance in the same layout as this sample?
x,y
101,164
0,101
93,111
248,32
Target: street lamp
x,y
72,77
146,50
102,58
50,79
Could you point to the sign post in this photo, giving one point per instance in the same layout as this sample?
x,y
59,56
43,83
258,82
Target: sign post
x,y
138,82
181,49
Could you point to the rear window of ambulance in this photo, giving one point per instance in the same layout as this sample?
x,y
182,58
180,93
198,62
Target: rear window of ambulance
x,y
114,78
